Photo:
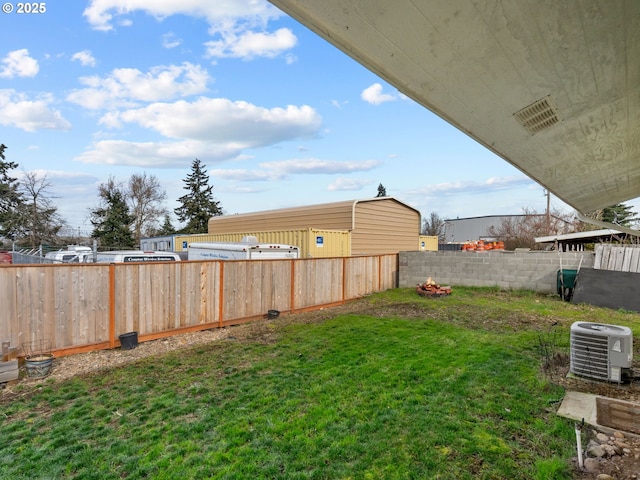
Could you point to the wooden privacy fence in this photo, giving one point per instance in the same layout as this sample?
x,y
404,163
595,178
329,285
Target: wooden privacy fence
x,y
80,308
620,258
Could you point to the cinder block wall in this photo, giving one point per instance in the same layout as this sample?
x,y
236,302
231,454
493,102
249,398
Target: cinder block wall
x,y
506,270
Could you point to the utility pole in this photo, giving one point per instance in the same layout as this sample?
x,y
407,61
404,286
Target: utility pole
x,y
548,213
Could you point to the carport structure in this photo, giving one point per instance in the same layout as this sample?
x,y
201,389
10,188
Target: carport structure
x,y
552,87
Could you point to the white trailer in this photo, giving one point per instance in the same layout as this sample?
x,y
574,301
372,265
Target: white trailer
x,y
248,249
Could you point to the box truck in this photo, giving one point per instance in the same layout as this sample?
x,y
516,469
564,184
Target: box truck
x,y
247,249
129,256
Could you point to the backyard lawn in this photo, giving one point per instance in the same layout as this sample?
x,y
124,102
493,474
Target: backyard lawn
x,y
393,386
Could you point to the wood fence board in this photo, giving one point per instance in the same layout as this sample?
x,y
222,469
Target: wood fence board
x,y
604,263
9,327
635,256
389,272
264,285
626,260
597,258
618,255
317,286
361,276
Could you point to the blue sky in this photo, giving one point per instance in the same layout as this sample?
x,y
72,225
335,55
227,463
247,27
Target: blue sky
x,y
281,118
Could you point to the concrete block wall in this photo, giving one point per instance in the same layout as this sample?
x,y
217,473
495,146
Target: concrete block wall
x,y
507,270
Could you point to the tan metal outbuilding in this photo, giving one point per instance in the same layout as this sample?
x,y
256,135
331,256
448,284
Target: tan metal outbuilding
x,y
377,225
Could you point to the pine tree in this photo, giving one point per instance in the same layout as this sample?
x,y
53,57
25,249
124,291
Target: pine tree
x,y
11,200
382,192
167,227
619,214
112,221
199,205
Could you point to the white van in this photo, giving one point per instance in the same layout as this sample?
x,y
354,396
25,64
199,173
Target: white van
x,y
130,256
70,255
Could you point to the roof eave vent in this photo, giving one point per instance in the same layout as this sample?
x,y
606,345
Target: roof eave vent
x,y
538,116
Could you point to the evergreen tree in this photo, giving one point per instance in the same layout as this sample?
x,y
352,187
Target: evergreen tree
x,y
199,205
167,227
619,214
112,220
382,192
11,200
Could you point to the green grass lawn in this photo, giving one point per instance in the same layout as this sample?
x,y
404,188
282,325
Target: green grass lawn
x,y
400,388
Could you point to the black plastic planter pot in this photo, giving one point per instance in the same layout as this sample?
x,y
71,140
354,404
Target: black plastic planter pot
x,y
129,340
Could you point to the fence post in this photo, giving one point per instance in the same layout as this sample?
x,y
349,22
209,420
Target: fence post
x,y
221,295
344,278
292,294
112,305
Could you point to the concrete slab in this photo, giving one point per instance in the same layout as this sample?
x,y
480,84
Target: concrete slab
x,y
577,406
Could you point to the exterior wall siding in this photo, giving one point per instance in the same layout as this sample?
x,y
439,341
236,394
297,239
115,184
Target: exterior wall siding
x,y
428,242
329,216
384,227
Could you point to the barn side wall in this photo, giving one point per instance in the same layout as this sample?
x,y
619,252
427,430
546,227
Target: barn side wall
x,y
384,227
506,270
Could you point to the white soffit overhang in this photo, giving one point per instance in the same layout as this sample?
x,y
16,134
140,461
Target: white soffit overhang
x,y
552,87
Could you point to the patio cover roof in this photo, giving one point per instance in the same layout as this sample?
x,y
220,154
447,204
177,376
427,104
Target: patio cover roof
x,y
552,87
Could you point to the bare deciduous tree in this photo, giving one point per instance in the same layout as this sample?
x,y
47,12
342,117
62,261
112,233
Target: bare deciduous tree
x,y
520,232
433,225
145,197
40,219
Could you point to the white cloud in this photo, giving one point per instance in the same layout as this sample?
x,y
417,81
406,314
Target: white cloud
x,y
243,175
85,58
18,63
238,27
490,185
314,166
374,95
170,40
68,178
349,184
272,171
155,154
127,86
218,120
17,110
220,14
209,129
252,44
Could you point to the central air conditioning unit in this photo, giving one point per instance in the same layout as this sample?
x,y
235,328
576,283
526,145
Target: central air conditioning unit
x,y
600,351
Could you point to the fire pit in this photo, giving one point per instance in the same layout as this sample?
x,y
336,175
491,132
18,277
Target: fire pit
x,y
432,289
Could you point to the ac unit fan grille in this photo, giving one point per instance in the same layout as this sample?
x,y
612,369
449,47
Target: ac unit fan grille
x,y
590,356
